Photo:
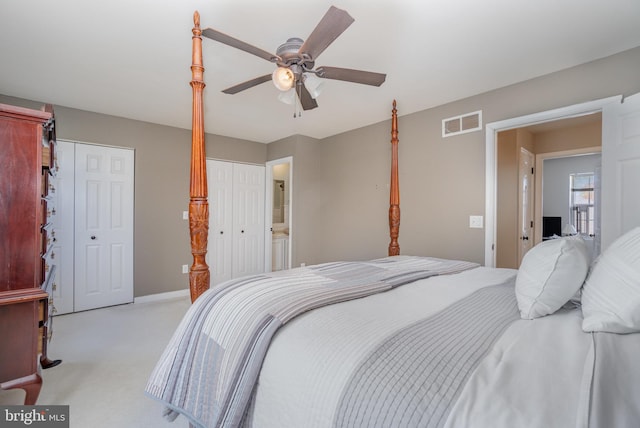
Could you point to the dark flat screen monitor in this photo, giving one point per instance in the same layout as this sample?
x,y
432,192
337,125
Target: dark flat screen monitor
x,y
551,226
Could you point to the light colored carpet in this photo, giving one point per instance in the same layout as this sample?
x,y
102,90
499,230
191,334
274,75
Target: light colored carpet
x,y
107,355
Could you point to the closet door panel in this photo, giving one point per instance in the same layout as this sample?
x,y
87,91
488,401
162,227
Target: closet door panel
x,y
103,226
219,245
236,219
248,213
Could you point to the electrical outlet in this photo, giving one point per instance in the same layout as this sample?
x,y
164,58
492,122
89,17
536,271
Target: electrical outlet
x,y
303,264
475,221
185,268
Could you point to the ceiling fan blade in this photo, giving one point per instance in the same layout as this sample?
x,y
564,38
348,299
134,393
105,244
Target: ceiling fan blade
x,y
238,44
248,84
349,75
308,103
332,24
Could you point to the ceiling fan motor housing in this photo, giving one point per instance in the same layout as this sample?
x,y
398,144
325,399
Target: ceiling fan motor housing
x,y
290,53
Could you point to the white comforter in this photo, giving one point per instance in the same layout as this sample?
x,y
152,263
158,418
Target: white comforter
x,y
538,374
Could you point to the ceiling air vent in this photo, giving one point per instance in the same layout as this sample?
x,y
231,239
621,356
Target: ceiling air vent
x,y
462,124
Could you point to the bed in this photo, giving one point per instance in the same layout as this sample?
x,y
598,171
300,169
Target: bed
x,y
406,341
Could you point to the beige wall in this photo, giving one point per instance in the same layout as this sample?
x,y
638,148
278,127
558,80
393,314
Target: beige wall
x,y
162,158
507,194
442,180
507,199
340,194
308,190
572,138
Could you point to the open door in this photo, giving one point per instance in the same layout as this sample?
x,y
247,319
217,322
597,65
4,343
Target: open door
x,y
620,168
525,202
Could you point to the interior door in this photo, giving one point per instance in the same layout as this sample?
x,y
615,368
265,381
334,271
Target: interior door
x,y
525,202
620,206
103,226
220,187
248,219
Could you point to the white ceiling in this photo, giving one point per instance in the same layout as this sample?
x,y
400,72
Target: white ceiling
x,y
131,58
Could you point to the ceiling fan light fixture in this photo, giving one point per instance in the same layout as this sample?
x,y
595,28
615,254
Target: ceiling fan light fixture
x,y
313,84
283,78
287,97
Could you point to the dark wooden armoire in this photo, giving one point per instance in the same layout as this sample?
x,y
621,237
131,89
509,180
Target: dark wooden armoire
x,y
27,234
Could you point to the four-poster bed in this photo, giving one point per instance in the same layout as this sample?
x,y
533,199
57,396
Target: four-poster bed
x,y
406,341
199,275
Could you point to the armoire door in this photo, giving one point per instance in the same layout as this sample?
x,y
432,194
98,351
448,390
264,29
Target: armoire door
x,y
103,226
64,228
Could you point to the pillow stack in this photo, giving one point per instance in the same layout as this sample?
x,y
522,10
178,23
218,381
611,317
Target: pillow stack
x,y
550,274
611,295
553,271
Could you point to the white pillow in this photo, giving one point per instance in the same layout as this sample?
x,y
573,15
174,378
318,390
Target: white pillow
x,y
611,294
550,275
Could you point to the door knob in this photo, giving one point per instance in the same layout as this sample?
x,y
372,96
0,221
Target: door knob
x,y
221,232
93,237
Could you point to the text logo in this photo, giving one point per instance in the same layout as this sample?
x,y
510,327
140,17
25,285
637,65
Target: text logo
x,y
34,416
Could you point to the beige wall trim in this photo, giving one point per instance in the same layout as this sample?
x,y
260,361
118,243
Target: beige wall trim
x,y
162,296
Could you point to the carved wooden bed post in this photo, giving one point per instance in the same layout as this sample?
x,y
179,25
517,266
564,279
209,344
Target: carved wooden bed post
x,y
199,275
394,195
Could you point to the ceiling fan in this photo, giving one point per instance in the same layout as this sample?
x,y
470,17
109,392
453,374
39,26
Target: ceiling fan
x,y
296,60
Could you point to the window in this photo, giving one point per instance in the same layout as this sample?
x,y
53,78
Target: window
x,y
582,203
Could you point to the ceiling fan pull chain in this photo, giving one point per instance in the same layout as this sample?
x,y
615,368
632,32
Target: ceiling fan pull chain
x,y
297,99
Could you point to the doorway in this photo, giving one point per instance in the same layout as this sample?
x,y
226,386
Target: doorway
x,y
491,179
520,219
279,214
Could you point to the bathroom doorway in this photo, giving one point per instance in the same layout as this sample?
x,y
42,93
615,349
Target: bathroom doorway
x,y
279,214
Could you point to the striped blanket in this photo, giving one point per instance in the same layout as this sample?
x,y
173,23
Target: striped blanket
x,y
414,376
210,367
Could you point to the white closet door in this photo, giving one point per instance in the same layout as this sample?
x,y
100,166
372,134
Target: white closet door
x,y
64,227
220,187
248,219
103,226
620,168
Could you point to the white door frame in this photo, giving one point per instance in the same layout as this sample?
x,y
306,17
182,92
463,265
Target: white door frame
x,y
492,130
268,210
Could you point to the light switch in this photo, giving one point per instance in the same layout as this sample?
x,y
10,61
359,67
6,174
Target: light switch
x,y
185,215
475,221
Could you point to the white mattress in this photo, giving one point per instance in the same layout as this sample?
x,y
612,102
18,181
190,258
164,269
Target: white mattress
x,y
538,374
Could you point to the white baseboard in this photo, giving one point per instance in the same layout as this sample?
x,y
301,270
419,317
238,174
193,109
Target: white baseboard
x,y
162,296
